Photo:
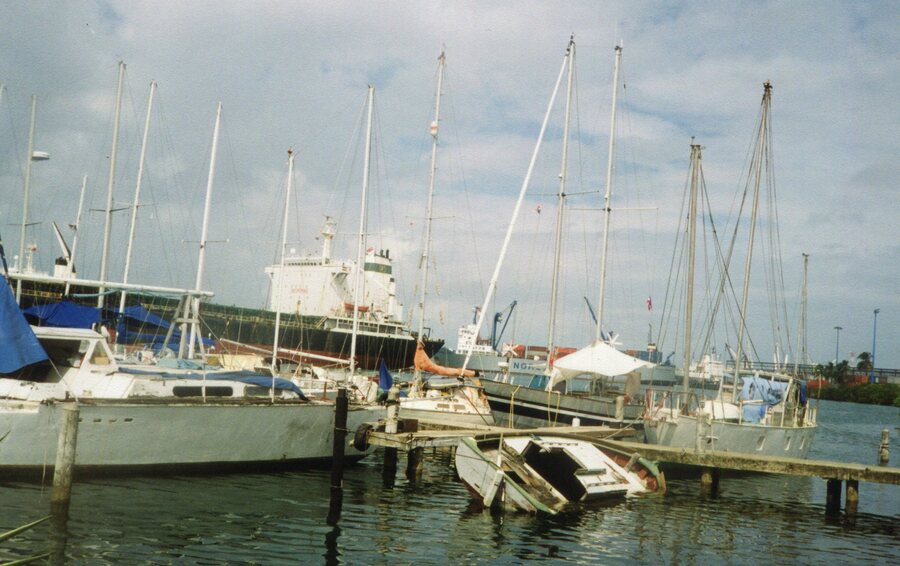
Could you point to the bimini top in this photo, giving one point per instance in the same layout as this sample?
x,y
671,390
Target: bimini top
x,y
597,359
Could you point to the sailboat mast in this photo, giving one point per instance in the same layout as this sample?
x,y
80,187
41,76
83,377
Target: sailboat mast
x,y
692,245
284,230
201,260
561,205
76,226
492,286
426,248
137,194
111,183
27,189
609,186
363,226
761,155
801,332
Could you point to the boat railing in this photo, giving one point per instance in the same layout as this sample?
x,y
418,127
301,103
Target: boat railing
x,y
664,403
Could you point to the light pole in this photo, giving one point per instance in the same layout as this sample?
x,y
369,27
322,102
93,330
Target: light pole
x,y
837,343
874,334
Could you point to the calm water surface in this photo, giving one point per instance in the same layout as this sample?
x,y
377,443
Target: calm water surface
x,y
280,518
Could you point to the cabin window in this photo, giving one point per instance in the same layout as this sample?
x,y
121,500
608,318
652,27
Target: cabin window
x,y
761,442
787,443
197,391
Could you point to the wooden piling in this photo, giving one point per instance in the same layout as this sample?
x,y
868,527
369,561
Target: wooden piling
x,y
852,500
65,458
414,463
884,450
341,404
833,497
709,480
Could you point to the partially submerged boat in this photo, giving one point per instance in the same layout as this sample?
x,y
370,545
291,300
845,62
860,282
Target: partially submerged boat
x,y
547,473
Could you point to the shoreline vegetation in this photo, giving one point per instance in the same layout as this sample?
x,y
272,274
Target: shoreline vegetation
x,y
865,393
840,382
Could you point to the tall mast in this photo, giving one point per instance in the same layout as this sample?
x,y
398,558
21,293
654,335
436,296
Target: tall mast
x,y
801,332
492,286
75,227
361,248
426,247
137,195
561,206
107,229
284,230
203,233
692,244
609,186
28,160
761,154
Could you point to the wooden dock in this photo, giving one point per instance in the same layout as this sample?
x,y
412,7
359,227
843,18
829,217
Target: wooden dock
x,y
426,434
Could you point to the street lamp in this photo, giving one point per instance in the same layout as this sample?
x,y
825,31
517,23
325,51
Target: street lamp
x,y
837,342
874,334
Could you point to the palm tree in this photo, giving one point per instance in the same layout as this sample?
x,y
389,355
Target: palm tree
x,y
864,361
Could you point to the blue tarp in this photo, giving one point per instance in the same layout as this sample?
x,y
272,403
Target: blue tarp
x,y
757,388
385,379
64,314
19,346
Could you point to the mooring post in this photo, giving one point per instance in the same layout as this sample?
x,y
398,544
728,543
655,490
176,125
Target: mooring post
x,y
852,501
341,403
65,459
884,450
709,480
833,497
390,427
414,463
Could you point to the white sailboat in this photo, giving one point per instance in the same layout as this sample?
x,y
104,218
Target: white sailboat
x,y
149,419
518,405
456,401
754,412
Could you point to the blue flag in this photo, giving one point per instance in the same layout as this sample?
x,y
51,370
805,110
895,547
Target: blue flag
x,y
385,379
18,345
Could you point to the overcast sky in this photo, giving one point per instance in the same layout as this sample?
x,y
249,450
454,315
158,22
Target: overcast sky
x,y
294,74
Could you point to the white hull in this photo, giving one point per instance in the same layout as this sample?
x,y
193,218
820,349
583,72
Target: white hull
x,y
130,435
449,412
684,431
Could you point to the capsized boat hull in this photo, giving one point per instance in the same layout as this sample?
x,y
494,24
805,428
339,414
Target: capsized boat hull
x,y
142,435
546,473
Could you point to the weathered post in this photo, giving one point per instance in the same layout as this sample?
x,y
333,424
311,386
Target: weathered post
x,y
65,459
620,407
709,480
389,470
833,497
414,463
852,502
341,404
884,450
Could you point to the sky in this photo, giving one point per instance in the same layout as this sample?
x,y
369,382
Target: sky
x,y
295,74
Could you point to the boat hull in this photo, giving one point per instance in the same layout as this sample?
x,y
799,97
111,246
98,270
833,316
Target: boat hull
x,y
687,431
133,436
525,407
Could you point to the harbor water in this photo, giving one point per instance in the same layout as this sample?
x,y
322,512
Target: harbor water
x,y
280,518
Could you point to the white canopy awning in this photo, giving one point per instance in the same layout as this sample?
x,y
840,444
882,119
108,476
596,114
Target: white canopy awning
x,y
599,359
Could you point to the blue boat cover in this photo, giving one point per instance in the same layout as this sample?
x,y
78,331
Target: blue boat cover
x,y
140,314
19,346
385,379
757,388
64,314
